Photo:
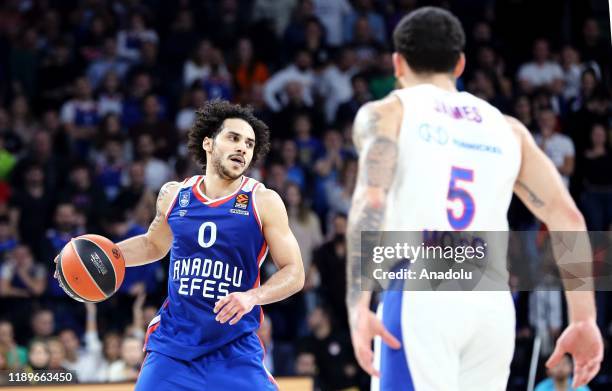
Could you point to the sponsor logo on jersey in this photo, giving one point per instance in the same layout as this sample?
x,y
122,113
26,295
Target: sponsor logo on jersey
x,y
184,198
182,212
239,212
242,201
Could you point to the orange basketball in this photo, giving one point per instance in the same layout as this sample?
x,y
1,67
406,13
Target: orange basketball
x,y
90,268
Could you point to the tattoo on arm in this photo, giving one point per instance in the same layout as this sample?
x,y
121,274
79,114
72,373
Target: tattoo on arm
x,y
159,214
533,197
367,214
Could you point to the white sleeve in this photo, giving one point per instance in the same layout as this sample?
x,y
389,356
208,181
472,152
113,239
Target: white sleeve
x,y
568,147
556,71
67,114
93,345
273,86
7,271
523,73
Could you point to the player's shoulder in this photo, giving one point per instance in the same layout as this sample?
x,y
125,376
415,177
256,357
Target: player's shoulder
x,y
265,195
520,131
269,204
378,117
167,193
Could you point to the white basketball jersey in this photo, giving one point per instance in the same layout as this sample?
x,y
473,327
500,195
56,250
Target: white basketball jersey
x,y
458,160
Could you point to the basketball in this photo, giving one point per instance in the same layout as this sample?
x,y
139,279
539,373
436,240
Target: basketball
x,y
90,268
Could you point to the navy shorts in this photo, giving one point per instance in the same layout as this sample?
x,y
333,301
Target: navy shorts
x,y
236,366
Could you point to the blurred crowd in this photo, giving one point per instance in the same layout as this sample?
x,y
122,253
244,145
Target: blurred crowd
x,y
97,97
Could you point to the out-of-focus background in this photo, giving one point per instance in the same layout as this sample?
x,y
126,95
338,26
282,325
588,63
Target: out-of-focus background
x,y
96,99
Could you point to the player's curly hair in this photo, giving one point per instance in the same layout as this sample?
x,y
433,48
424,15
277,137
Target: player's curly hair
x,y
209,122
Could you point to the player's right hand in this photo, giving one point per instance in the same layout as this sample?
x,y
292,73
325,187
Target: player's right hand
x,y
583,341
364,327
55,261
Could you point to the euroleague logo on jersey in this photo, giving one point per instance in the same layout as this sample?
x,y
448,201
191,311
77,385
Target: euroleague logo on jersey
x,y
242,201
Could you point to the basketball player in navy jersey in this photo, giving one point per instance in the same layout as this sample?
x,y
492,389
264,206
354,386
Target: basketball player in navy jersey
x,y
218,228
433,158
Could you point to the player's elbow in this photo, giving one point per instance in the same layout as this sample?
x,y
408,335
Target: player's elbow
x,y
300,277
565,216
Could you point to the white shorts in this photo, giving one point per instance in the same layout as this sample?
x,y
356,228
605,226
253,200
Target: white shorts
x,y
451,341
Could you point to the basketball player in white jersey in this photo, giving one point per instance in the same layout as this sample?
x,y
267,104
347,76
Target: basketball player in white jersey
x,y
433,158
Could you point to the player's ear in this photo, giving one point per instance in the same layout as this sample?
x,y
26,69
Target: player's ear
x,y
460,66
207,144
398,65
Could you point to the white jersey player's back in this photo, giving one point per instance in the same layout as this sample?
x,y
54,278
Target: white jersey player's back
x,y
458,161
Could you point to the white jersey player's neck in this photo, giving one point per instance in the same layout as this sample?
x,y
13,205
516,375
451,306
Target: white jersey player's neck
x,y
214,187
441,81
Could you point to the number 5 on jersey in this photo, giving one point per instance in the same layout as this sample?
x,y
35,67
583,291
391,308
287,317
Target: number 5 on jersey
x,y
456,192
207,230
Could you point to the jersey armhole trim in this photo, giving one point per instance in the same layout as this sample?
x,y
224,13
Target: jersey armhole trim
x,y
255,210
171,206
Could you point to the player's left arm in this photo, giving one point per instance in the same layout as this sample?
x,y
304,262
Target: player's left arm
x,y
285,253
375,134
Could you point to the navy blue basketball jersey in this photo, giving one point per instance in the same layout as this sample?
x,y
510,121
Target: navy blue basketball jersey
x,y
218,249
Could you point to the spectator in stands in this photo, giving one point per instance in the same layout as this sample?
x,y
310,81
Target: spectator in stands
x,y
289,157
57,355
218,84
20,276
65,227
38,356
306,227
130,41
560,378
136,188
85,194
309,147
16,356
55,76
278,358
557,146
523,112
80,116
8,239
360,94
382,79
315,43
541,72
23,121
333,352
596,199
333,15
157,172
334,83
339,191
110,98
110,166
594,46
300,71
197,68
329,264
306,364
109,62
82,361
276,177
128,367
364,11
185,117
248,70
155,124
364,43
43,324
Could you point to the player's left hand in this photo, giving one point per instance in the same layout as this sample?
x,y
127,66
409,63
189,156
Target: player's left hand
x,y
364,327
234,306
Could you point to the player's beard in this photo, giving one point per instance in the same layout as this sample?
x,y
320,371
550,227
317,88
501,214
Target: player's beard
x,y
224,172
